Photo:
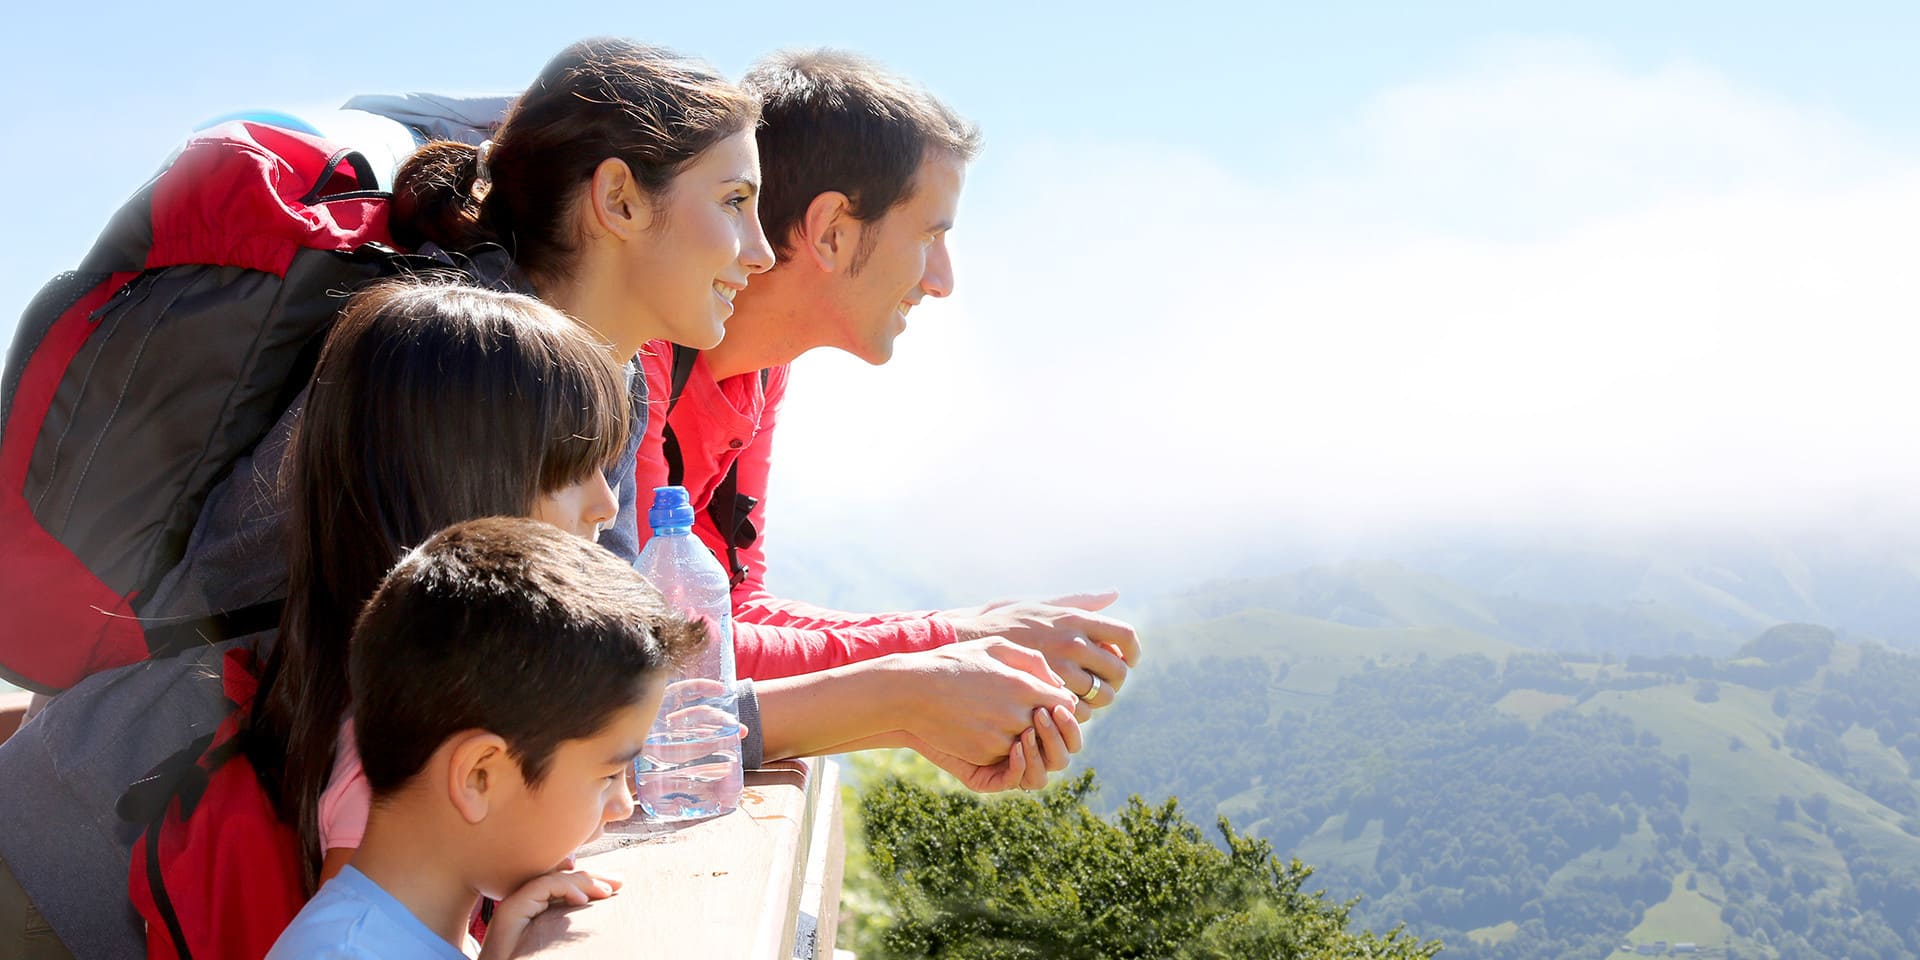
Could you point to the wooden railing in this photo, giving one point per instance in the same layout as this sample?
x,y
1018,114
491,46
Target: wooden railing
x,y
13,710
762,882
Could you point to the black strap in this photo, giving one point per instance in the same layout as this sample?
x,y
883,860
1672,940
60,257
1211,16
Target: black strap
x,y
683,359
729,508
362,175
146,801
177,635
157,886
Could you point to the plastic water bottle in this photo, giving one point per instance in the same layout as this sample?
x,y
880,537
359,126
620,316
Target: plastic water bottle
x,y
690,766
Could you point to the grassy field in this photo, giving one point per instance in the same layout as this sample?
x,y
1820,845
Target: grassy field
x,y
1623,859
1318,653
1686,916
1732,794
1532,705
1326,848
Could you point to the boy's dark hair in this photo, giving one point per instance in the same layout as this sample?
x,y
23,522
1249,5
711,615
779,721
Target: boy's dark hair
x,y
834,121
507,625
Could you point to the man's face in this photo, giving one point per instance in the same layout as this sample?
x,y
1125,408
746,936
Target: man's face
x,y
906,261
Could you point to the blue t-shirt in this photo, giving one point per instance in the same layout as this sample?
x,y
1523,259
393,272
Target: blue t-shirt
x,y
351,918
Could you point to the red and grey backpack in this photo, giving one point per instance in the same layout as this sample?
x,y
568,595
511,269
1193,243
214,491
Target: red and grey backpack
x,y
136,381
216,873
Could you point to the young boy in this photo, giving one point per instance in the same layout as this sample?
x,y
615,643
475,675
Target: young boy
x,y
504,678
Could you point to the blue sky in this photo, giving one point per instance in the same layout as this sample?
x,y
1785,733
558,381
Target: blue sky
x,y
1362,264
100,89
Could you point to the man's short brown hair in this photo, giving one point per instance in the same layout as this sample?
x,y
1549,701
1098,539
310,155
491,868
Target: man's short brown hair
x,y
835,121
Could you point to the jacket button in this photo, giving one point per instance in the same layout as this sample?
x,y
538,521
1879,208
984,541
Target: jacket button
x,y
736,443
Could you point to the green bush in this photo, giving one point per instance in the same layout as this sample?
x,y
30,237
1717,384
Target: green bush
x,y
1042,876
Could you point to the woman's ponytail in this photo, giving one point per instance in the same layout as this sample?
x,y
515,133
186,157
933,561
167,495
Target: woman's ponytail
x,y
433,199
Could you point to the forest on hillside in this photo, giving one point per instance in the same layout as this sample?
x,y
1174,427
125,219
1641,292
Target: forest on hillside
x,y
1547,805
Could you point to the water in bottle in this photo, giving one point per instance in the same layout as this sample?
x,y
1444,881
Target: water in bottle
x,y
690,766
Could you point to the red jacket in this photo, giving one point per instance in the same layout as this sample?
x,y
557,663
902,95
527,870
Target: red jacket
x,y
718,423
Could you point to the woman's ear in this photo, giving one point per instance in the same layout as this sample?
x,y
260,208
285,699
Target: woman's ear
x,y
616,205
828,233
477,766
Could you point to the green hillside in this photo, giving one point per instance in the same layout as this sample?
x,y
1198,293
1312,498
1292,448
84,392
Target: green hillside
x,y
1525,805
1311,656
1387,595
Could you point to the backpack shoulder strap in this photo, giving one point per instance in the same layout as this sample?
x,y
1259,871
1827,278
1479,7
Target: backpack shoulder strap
x,y
730,510
683,360
214,628
728,507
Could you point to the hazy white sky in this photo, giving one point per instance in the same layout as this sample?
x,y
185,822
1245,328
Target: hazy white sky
x,y
1235,270
1540,286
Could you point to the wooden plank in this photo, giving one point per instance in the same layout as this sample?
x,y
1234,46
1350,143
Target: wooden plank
x,y
826,862
13,711
722,887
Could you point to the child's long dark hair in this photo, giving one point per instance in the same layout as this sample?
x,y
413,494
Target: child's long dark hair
x,y
431,404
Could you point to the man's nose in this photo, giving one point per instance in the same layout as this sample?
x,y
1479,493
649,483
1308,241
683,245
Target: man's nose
x,y
937,281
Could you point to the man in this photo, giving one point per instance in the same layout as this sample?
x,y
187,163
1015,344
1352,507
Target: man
x,y
862,176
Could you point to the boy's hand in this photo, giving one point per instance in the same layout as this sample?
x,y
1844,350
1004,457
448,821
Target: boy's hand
x,y
512,915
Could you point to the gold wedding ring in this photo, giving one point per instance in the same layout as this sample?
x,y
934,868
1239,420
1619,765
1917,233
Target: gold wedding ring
x,y
1092,691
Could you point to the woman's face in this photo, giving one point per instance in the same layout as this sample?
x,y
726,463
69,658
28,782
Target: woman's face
x,y
702,246
582,509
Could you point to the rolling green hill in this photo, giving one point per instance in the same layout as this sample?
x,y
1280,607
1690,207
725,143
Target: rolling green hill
x,y
1523,804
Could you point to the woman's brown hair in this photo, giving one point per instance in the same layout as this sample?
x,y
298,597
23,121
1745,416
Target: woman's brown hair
x,y
431,403
598,99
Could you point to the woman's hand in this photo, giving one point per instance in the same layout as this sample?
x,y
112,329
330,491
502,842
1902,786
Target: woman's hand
x,y
966,701
512,915
1079,643
1043,748
973,700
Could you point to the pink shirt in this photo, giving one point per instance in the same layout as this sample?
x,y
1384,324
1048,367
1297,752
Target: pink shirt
x,y
347,799
717,424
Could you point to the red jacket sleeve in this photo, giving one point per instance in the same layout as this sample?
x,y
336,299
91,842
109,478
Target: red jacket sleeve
x,y
772,637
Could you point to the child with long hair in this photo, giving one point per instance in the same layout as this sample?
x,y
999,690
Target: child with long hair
x,y
436,403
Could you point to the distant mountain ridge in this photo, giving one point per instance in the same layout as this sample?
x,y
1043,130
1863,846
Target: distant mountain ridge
x,y
1861,586
1580,603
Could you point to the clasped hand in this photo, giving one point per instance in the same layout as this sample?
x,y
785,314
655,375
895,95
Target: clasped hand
x,y
1079,643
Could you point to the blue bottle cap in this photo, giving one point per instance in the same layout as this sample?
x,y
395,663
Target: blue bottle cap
x,y
671,509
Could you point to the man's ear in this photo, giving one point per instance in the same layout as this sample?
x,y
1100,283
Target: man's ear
x,y
828,232
616,205
478,770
